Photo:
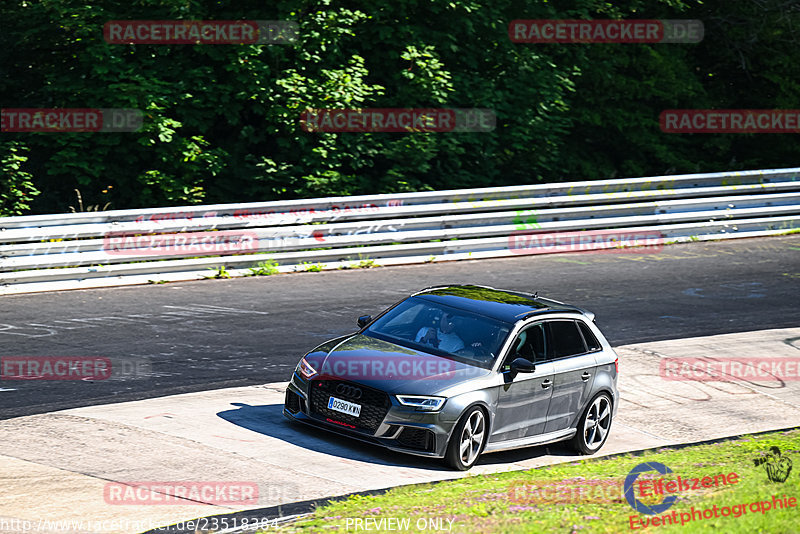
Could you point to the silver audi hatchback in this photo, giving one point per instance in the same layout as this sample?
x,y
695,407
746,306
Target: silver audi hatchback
x,y
456,371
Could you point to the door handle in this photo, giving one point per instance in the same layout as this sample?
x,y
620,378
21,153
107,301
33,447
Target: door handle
x,y
547,383
585,376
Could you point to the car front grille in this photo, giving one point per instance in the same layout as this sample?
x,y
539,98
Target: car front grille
x,y
374,403
292,401
420,439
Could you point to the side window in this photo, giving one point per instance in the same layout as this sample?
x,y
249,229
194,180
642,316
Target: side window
x,y
588,336
565,339
529,344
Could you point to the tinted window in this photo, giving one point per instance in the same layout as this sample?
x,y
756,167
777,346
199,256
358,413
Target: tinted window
x,y
529,344
565,339
443,330
588,336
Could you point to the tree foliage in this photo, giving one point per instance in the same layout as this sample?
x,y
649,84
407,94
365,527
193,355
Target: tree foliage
x,y
221,122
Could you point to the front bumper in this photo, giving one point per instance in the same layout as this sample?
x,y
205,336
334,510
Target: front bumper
x,y
402,429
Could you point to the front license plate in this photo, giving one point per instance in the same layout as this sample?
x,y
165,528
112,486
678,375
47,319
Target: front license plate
x,y
343,406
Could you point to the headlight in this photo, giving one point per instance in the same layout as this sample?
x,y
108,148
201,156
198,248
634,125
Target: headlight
x,y
422,403
305,369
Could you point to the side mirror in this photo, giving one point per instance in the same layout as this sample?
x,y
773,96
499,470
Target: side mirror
x,y
364,320
521,365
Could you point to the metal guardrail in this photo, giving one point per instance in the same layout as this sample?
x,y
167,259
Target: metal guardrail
x,y
98,249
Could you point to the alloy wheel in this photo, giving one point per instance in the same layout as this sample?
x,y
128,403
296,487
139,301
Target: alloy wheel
x,y
597,423
472,437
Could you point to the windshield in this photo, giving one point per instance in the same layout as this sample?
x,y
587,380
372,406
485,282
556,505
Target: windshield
x,y
463,336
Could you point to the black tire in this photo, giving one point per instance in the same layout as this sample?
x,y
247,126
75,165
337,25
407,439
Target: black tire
x,y
594,425
468,439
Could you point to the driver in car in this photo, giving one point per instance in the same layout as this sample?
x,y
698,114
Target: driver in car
x,y
443,336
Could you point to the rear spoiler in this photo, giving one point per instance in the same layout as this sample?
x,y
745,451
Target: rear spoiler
x,y
587,313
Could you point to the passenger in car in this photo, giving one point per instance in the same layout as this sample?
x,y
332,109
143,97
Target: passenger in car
x,y
443,336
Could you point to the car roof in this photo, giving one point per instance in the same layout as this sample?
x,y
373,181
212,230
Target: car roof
x,y
507,306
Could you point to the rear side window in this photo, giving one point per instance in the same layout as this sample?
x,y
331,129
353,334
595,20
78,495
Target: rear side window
x,y
565,339
588,336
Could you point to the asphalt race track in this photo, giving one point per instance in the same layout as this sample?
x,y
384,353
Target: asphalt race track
x,y
187,337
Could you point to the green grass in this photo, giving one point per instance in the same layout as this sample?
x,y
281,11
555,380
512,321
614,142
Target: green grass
x,y
311,267
363,264
221,272
484,503
367,264
264,268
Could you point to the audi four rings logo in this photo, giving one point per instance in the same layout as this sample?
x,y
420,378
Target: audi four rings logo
x,y
348,391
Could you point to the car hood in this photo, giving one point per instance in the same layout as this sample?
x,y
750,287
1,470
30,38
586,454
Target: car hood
x,y
391,367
